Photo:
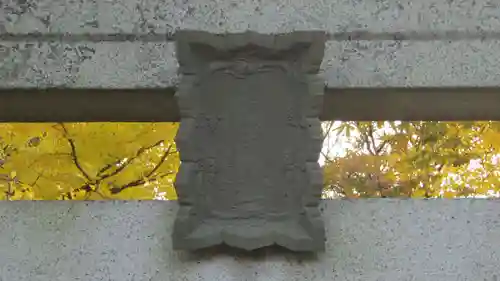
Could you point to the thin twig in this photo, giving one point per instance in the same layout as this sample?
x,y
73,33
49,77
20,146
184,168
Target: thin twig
x,y
140,151
162,159
151,173
138,182
74,154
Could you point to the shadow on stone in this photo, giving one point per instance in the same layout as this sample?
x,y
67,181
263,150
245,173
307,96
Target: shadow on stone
x,y
261,254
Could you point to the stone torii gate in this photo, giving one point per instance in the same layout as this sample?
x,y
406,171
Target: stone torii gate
x,y
250,103
250,107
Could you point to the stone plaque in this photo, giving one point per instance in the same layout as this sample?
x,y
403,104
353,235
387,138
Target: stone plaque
x,y
249,140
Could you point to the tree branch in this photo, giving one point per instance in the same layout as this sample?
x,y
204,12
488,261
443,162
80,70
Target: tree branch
x,y
74,156
116,190
160,162
365,138
141,181
381,147
140,151
327,158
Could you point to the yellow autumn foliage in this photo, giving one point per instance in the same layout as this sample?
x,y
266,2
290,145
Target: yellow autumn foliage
x,y
87,161
416,159
96,161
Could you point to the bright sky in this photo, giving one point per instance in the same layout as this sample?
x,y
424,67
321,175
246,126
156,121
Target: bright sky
x,y
334,145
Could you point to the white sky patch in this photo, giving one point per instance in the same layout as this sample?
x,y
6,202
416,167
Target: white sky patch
x,y
334,145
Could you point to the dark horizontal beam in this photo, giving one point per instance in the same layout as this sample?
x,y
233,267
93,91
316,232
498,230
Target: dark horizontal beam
x,y
412,104
158,105
88,105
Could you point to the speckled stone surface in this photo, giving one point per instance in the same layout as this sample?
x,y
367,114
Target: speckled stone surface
x,y
369,240
384,43
87,65
146,16
346,64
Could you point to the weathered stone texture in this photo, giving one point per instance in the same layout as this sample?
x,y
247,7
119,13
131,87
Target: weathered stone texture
x,y
438,43
87,65
346,64
334,16
249,140
368,240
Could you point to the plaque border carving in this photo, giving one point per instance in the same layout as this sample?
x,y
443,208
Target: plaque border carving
x,y
231,53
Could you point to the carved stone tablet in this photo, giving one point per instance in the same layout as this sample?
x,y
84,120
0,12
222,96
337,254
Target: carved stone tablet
x,y
249,140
